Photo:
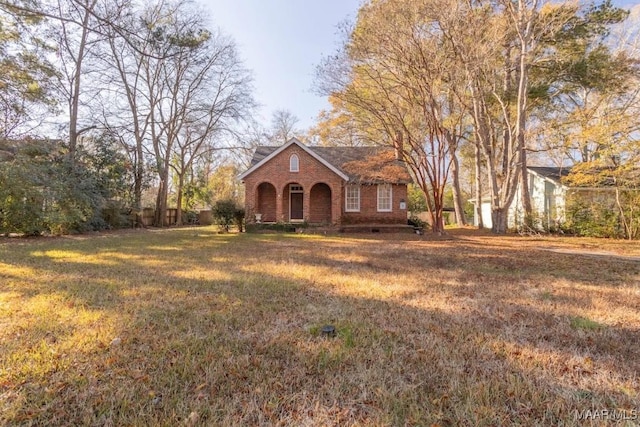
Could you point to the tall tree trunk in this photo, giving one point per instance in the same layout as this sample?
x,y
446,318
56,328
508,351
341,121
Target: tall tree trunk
x,y
525,21
526,18
455,187
499,218
478,183
162,197
623,218
74,97
139,174
437,226
525,194
498,223
160,215
506,122
179,198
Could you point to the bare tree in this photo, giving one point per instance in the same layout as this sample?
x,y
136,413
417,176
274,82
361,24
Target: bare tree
x,y
215,93
396,80
338,127
497,47
74,40
479,39
127,105
73,28
184,86
283,126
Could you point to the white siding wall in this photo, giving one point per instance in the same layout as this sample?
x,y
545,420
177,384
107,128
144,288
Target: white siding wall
x,y
486,215
560,195
485,210
547,201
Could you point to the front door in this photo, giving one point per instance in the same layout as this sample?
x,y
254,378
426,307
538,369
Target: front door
x,y
296,207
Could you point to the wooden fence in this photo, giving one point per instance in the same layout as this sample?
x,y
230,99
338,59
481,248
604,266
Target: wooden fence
x,y
148,215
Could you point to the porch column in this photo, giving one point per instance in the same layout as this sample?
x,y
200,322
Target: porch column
x,y
336,203
306,203
250,203
279,201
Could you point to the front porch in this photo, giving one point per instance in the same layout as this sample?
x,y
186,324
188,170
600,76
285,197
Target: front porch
x,y
295,204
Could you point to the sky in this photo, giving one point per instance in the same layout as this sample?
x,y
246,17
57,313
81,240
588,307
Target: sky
x,y
282,42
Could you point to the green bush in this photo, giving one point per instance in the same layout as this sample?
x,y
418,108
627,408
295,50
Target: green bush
x,y
114,214
41,191
539,222
284,227
227,213
238,218
417,222
592,219
190,217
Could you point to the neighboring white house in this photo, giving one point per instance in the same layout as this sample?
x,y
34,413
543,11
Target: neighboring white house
x,y
548,196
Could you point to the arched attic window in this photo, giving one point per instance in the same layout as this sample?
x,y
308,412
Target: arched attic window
x,y
294,163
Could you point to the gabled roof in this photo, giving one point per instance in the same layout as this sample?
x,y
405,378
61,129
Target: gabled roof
x,y
353,164
558,174
263,154
554,174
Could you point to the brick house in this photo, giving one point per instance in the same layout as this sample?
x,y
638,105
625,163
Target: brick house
x,y
326,185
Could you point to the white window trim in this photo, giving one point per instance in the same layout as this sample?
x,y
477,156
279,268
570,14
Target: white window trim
x,y
380,186
293,157
346,199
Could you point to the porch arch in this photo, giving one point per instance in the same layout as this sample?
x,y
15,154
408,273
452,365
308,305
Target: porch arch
x,y
266,202
320,203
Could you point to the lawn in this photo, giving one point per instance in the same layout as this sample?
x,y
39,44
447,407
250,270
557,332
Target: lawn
x,y
191,327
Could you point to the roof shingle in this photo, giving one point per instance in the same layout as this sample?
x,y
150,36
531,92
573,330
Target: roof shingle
x,y
360,164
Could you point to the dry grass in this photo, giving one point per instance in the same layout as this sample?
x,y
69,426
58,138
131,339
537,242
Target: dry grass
x,y
190,327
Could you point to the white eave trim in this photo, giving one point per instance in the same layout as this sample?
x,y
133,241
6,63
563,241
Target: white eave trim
x,y
306,149
544,178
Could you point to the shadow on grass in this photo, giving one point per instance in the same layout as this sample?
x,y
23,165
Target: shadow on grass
x,y
226,327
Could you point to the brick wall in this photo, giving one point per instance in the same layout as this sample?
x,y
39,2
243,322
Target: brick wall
x,y
311,172
323,193
369,207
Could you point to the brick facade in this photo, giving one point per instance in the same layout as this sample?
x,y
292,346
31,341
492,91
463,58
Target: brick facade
x,y
369,207
267,193
319,185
